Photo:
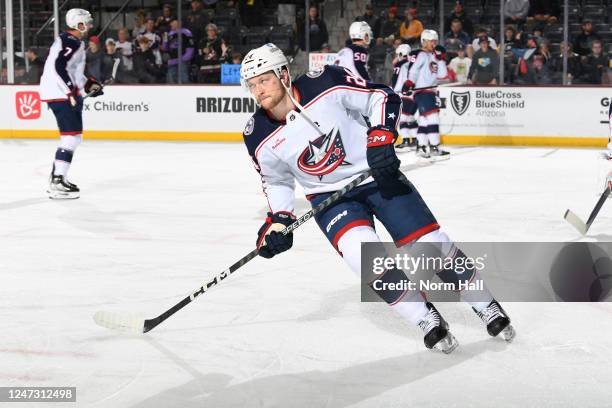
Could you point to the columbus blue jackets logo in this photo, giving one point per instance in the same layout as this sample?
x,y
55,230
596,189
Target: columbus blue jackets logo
x,y
323,155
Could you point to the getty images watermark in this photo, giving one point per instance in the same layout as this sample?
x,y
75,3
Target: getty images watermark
x,y
513,271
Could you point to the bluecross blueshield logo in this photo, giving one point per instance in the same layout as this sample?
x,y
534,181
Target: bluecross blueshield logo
x,y
460,101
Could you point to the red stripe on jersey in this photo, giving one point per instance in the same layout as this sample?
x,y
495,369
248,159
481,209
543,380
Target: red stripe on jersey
x,y
71,133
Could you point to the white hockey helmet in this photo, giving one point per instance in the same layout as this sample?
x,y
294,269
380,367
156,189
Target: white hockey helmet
x,y
428,35
402,51
358,31
260,60
77,16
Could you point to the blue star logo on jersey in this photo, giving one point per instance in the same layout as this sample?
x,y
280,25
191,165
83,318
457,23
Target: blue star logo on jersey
x,y
323,155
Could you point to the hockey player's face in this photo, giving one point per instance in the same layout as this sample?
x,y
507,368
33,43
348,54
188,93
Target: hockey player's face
x,y
430,45
267,90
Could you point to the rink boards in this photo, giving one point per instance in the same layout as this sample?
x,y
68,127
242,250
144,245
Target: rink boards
x,y
527,116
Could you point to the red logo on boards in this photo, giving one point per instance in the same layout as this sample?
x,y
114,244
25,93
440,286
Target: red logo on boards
x,y
27,105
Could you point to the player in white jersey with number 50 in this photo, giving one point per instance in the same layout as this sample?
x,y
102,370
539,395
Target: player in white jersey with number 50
x,y
425,72
305,130
355,55
63,85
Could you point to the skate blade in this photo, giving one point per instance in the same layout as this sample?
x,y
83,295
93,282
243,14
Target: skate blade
x,y
59,195
508,333
447,344
439,158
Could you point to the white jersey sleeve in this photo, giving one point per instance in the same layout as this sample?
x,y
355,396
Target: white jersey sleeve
x,y
345,59
277,182
401,78
417,66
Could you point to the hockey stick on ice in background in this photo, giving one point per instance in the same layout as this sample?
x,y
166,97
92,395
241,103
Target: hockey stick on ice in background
x,y
131,324
109,80
577,222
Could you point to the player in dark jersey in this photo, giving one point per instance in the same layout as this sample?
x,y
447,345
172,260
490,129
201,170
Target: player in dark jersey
x,y
309,131
355,55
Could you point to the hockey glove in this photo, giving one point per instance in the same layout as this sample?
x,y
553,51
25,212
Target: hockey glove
x,y
407,88
383,161
270,240
93,87
440,53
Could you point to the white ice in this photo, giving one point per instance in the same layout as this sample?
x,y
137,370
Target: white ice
x,y
155,220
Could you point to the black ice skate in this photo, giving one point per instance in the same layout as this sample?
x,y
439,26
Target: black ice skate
x,y
406,142
421,151
59,188
438,154
436,331
497,321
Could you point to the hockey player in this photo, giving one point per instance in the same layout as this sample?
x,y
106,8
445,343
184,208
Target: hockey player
x,y
427,69
407,125
62,86
305,130
355,56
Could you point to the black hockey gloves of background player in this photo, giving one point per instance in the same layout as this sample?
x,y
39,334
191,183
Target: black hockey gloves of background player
x,y
93,87
270,240
384,162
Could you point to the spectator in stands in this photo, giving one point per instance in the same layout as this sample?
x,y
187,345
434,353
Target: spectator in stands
x,y
595,64
126,48
212,52
510,38
461,64
515,12
389,28
108,60
459,14
544,51
485,64
173,75
146,68
369,17
480,33
318,30
197,19
542,74
251,12
411,28
574,67
584,40
139,23
454,38
236,58
93,58
154,38
32,76
162,24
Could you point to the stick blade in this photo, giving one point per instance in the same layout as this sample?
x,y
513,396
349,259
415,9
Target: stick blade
x,y
575,221
120,322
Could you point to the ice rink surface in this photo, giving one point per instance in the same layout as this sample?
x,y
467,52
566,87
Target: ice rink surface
x,y
156,220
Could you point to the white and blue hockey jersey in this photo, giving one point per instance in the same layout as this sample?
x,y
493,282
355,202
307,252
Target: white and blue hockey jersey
x,y
327,157
64,68
427,70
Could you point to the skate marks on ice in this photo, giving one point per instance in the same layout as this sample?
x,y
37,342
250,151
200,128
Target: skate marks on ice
x,y
338,388
11,205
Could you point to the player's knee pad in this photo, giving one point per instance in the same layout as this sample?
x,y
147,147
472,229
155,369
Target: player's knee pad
x,y
349,245
70,142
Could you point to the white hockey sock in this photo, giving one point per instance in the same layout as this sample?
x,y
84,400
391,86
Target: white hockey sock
x,y
412,307
478,299
63,155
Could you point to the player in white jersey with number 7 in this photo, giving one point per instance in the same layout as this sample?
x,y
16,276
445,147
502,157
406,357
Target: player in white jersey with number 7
x,y
308,130
63,85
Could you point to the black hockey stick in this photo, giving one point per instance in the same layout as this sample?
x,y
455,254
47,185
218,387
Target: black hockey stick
x,y
109,80
131,324
577,222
